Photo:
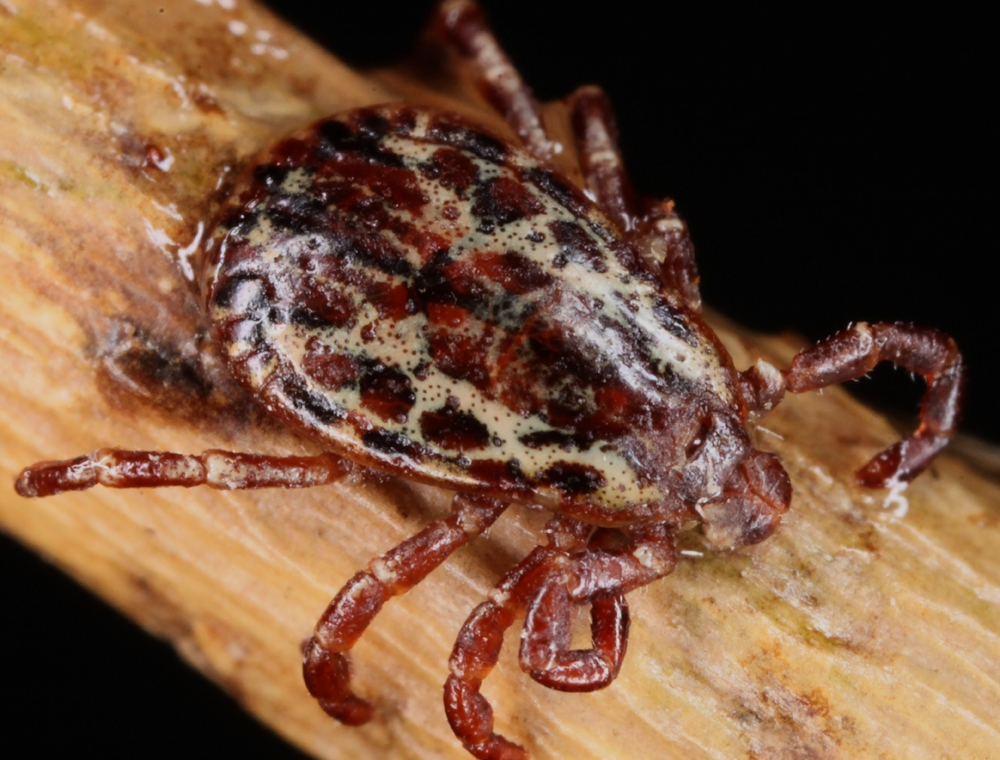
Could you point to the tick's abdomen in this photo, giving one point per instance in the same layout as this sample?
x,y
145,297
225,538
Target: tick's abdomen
x,y
427,297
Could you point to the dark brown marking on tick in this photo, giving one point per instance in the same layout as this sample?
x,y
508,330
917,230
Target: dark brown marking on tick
x,y
632,261
502,200
561,439
559,190
246,292
386,391
387,442
329,369
487,147
672,318
270,176
319,306
577,246
316,408
337,138
459,344
433,285
452,168
392,300
397,187
369,249
514,271
574,478
503,475
452,429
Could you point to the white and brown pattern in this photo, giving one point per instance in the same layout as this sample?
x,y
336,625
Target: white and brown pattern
x,y
426,295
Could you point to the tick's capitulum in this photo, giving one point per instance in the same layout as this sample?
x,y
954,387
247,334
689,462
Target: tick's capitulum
x,y
432,301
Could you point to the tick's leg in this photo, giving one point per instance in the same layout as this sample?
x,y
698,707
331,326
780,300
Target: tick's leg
x,y
462,25
854,352
597,145
601,578
225,470
325,666
545,652
546,585
654,226
476,651
481,638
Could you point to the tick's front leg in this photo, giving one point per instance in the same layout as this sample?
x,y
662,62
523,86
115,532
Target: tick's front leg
x,y
652,225
325,666
854,352
462,26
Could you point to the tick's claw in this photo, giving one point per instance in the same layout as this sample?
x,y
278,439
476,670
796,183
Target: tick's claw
x,y
901,462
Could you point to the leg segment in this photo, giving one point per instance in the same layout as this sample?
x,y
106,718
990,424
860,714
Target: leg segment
x,y
462,25
652,225
325,666
854,352
547,585
545,653
225,470
603,169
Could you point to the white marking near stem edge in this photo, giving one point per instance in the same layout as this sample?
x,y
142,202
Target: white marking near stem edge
x,y
895,496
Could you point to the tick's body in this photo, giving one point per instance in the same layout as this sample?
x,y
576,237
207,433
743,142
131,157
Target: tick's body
x,y
432,301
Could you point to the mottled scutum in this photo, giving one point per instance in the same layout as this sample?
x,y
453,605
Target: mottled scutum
x,y
429,297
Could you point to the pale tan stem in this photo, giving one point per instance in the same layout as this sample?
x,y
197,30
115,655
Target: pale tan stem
x,y
857,631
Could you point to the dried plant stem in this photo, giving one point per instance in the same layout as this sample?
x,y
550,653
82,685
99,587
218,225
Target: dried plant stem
x,y
856,632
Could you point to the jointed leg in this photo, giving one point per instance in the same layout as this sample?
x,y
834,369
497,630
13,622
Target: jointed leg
x,y
854,352
225,470
597,145
652,225
546,585
462,25
325,666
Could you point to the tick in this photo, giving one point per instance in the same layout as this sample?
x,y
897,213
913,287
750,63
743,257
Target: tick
x,y
429,300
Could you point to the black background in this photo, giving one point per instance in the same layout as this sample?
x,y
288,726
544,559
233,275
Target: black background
x,y
832,168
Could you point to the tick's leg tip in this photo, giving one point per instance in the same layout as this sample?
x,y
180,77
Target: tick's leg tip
x,y
903,461
878,472
327,676
24,485
352,711
51,478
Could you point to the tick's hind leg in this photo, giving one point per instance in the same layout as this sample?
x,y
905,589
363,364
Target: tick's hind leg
x,y
224,470
325,666
547,586
653,225
854,352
